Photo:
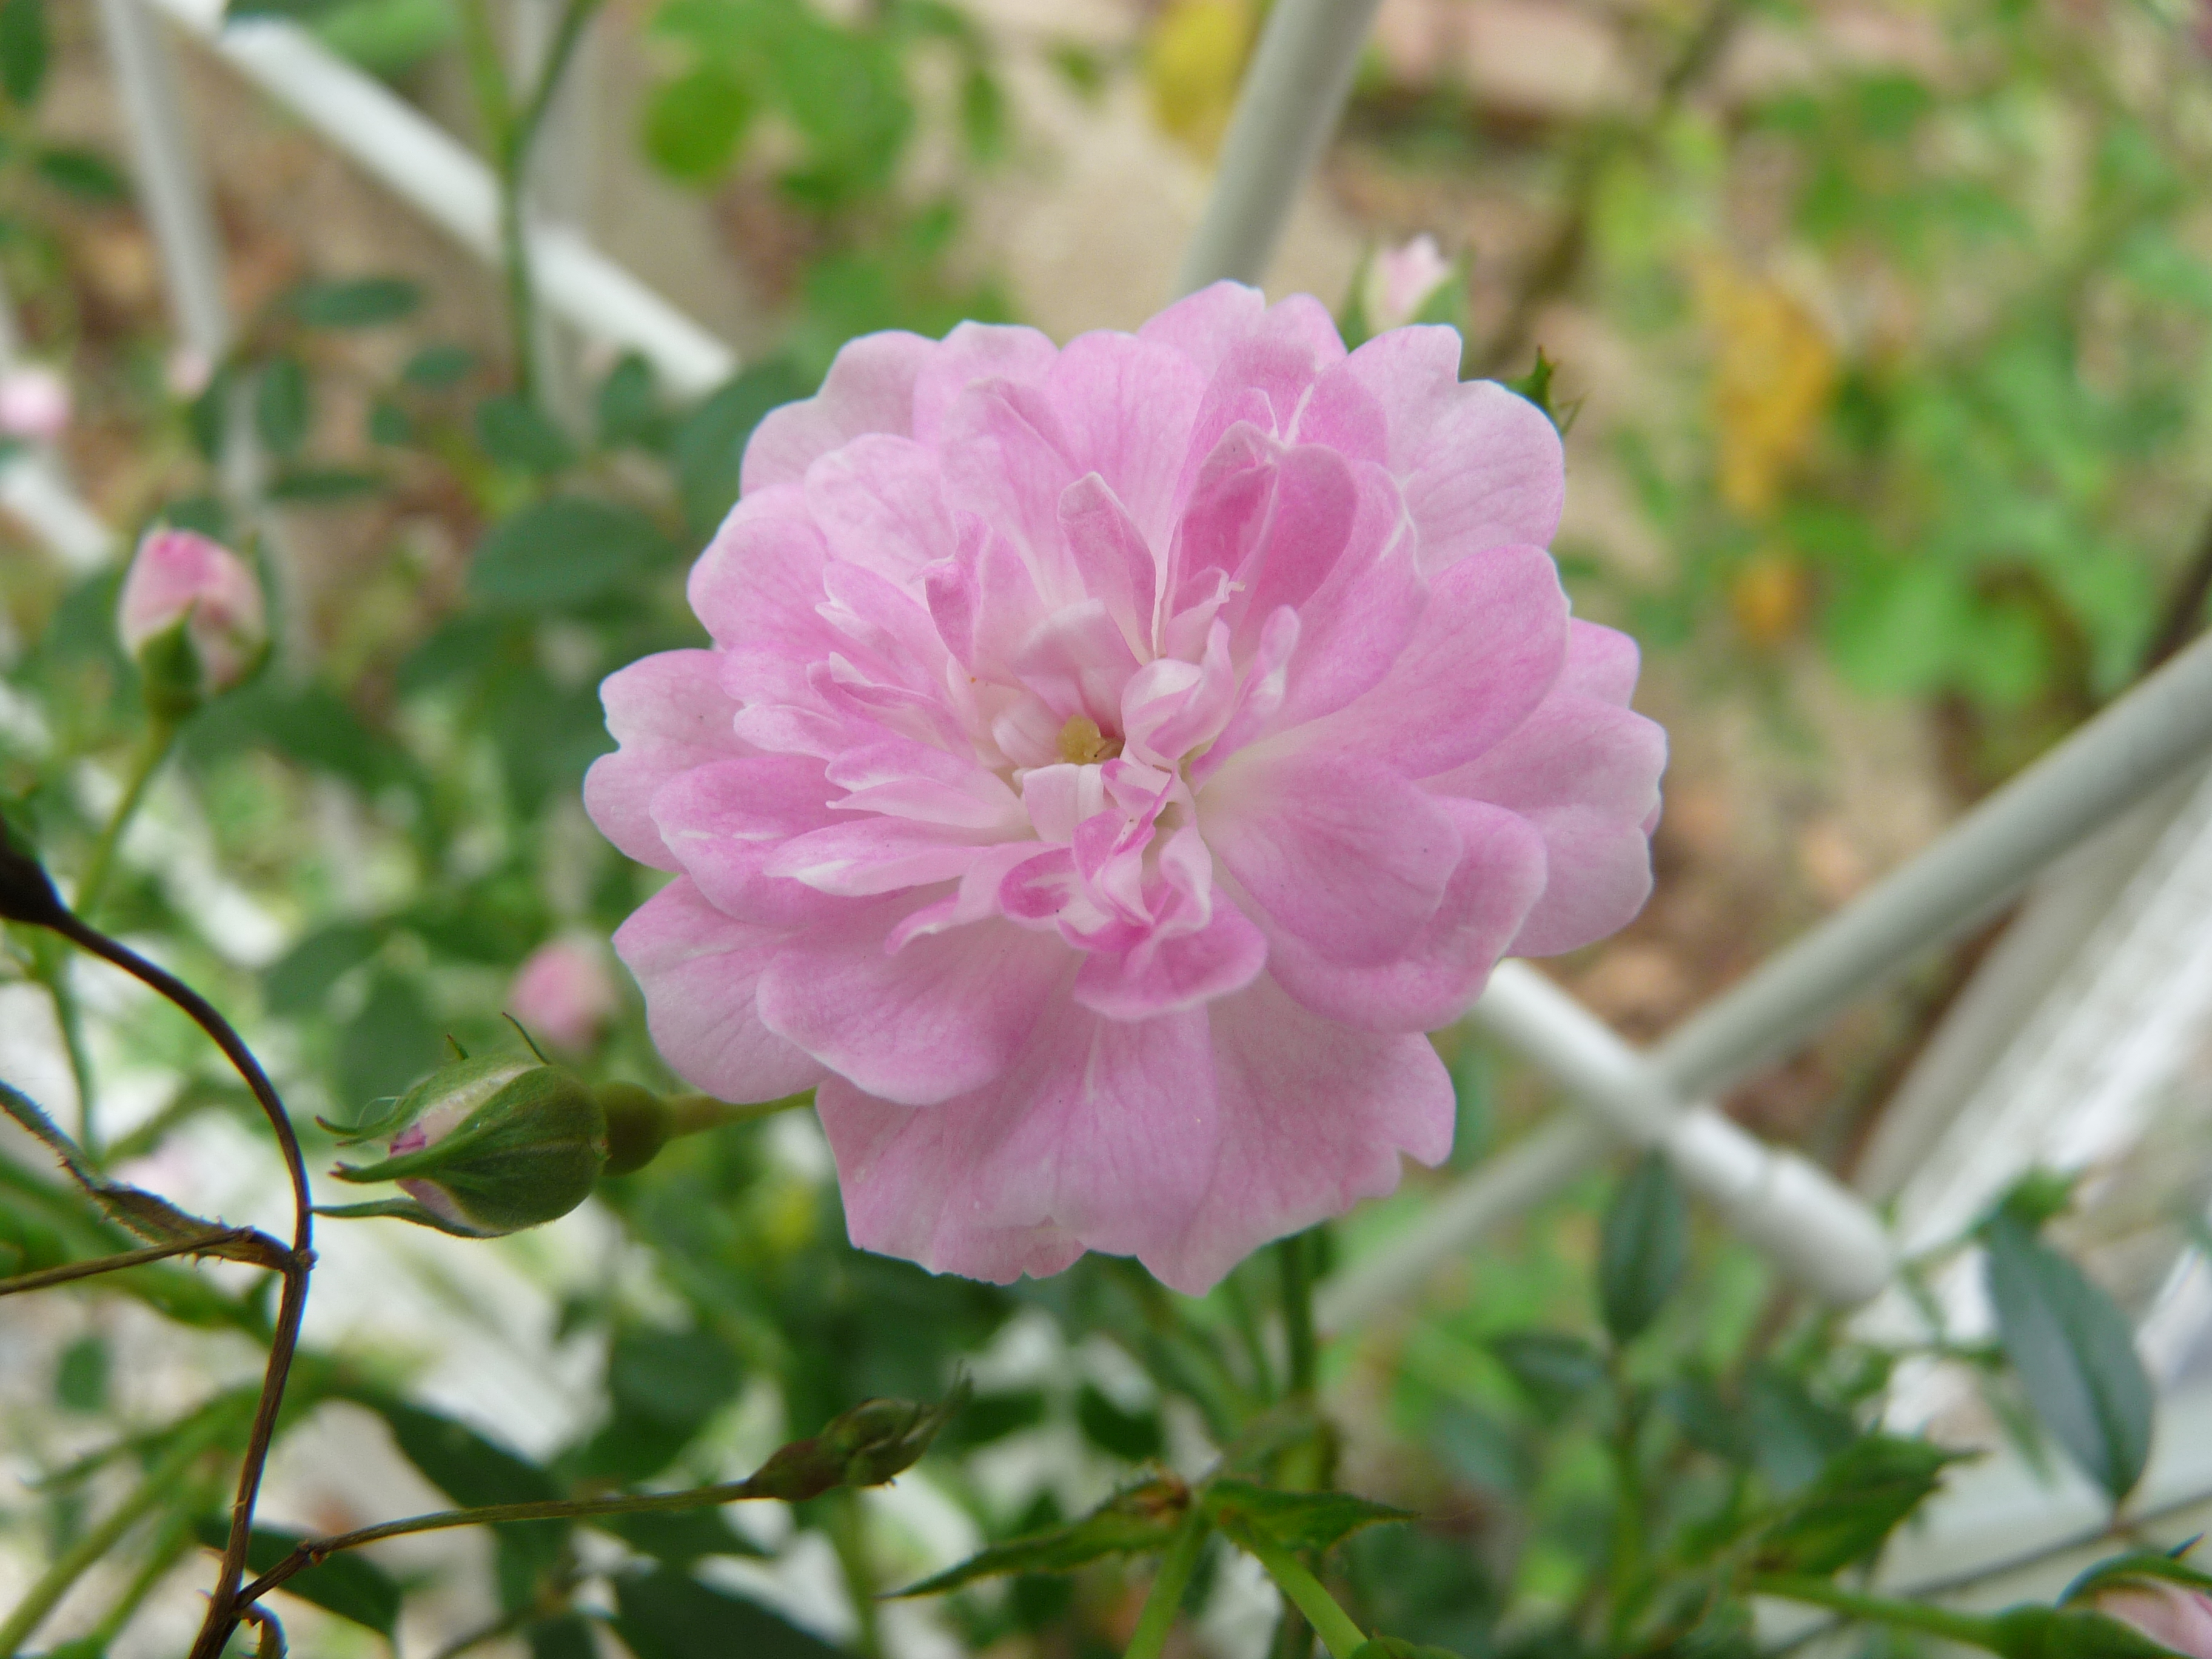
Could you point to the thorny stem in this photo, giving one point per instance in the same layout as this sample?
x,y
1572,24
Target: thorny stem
x,y
272,1645
155,1490
1975,1630
316,1550
201,1244
1330,1621
284,1340
1164,1599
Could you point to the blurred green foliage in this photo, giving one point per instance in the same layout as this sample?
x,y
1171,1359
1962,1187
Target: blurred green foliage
x,y
1949,415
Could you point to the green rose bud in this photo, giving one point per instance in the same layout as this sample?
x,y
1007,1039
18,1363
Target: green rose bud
x,y
490,1146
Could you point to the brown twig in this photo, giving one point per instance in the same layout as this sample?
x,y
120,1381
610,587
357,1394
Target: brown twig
x,y
223,1604
266,1252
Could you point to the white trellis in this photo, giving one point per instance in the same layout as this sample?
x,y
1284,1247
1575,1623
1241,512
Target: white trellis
x,y
1809,1224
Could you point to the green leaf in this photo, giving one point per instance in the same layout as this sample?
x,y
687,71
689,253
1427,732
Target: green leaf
x,y
516,432
567,550
628,408
1553,1370
1392,1647
468,1467
305,485
147,1215
349,1584
355,303
1644,1247
2074,1353
283,406
991,1417
2069,1633
80,1375
679,1537
1847,1514
1793,1435
710,442
84,174
665,1615
664,1386
566,1638
693,123
1131,1436
389,425
1297,1521
23,50
1135,1521
436,367
392,1041
387,38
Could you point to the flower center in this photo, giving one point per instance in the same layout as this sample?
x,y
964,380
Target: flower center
x,y
1082,744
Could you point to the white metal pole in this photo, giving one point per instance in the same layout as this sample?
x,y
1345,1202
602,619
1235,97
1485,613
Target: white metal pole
x,y
171,188
172,192
439,176
2147,739
1291,97
1798,1216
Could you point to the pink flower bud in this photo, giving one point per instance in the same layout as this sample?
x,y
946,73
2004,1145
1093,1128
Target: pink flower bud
x,y
563,994
1401,281
181,578
490,1146
2166,1613
34,403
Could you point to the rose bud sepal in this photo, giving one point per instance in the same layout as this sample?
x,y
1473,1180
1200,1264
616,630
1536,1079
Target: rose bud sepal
x,y
492,1146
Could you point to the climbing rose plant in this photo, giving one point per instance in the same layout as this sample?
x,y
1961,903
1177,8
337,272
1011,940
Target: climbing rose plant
x,y
1109,761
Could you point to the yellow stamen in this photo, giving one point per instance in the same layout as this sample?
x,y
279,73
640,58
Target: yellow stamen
x,y
1082,744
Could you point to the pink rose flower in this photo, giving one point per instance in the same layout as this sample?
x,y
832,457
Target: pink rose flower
x,y
2166,1613
563,994
34,403
1108,763
1400,281
180,576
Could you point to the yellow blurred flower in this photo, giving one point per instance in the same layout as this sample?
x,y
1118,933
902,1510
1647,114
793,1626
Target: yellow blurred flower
x,y
1194,58
1773,374
1767,597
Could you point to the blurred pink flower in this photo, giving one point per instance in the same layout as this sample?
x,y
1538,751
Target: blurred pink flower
x,y
1108,763
563,994
186,372
34,403
1400,281
180,576
2181,1618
